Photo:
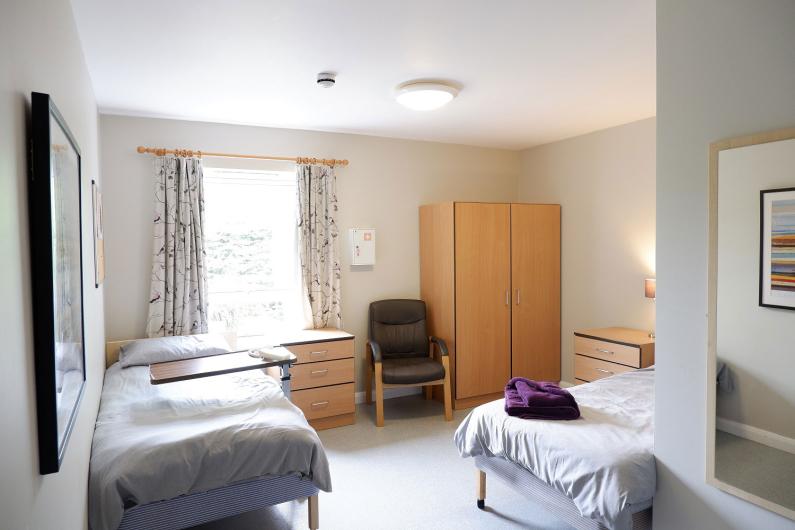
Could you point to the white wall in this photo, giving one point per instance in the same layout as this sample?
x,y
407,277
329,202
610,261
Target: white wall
x,y
382,188
605,183
724,69
756,342
40,51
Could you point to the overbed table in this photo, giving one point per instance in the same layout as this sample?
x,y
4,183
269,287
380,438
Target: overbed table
x,y
225,363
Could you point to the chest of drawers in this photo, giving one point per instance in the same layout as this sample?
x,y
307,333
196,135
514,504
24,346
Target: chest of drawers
x,y
322,379
604,352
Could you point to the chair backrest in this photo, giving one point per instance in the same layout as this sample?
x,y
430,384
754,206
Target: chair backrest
x,y
399,327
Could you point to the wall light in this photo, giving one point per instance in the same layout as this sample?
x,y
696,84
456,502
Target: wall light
x,y
650,286
650,290
425,95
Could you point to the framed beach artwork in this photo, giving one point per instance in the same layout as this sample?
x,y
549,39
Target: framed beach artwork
x,y
777,264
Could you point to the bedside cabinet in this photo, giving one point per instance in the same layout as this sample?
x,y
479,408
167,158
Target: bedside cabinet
x,y
603,352
322,382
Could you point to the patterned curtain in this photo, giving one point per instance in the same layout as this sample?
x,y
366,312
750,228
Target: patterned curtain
x,y
178,296
318,243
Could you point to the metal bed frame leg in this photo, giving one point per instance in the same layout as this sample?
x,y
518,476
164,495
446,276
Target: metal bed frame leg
x,y
481,490
285,369
314,516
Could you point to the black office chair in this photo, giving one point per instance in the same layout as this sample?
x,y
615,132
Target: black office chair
x,y
400,353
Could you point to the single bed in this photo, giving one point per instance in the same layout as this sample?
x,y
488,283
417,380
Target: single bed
x,y
595,472
171,456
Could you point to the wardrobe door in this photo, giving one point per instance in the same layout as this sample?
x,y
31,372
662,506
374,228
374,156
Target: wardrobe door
x,y
437,276
535,276
482,290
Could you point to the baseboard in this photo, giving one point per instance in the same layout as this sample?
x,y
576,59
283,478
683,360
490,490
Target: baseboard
x,y
390,393
755,434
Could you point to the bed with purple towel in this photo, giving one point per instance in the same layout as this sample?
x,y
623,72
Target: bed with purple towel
x,y
585,452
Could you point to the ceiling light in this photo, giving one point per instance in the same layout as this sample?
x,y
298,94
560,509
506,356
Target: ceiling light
x,y
424,95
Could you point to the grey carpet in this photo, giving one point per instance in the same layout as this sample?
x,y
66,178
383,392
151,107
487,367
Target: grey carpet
x,y
406,475
756,468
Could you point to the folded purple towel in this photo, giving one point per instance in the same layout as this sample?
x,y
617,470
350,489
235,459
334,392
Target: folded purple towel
x,y
539,400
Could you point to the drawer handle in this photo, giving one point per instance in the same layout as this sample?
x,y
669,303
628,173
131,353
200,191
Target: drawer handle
x,y
604,371
321,352
319,372
602,350
319,404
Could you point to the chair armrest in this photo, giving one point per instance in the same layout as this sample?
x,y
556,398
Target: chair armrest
x,y
441,345
375,349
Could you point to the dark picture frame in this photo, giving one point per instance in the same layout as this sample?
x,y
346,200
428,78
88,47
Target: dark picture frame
x,y
773,290
56,251
99,235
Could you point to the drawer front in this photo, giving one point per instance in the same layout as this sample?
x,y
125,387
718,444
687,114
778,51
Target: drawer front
x,y
322,351
324,402
587,369
608,351
325,373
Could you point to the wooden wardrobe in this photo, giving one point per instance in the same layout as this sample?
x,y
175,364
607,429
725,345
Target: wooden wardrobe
x,y
490,276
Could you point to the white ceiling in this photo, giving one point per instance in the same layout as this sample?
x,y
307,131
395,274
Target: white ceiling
x,y
531,71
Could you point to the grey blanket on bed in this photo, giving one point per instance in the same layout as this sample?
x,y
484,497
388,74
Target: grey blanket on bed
x,y
603,461
158,442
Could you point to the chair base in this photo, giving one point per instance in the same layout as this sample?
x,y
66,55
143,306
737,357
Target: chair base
x,y
377,373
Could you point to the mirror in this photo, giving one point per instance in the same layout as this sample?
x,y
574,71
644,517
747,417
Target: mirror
x,y
751,391
55,213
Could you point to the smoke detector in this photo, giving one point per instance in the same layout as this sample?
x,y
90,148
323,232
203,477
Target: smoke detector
x,y
326,79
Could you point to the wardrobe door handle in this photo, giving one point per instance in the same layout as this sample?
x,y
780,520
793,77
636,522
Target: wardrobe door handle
x,y
518,297
507,297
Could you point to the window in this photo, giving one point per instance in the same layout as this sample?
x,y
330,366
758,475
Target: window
x,y
252,260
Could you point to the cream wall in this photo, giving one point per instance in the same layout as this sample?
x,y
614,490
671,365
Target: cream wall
x,y
382,188
40,51
605,183
724,69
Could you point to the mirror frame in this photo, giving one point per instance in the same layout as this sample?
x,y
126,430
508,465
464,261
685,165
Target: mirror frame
x,y
712,312
45,116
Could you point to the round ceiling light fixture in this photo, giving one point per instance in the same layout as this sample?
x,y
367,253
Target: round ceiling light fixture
x,y
425,95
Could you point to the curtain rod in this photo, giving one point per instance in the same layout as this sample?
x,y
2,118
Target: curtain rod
x,y
159,151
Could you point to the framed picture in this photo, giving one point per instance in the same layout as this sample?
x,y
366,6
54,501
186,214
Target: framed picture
x,y
99,237
54,208
777,265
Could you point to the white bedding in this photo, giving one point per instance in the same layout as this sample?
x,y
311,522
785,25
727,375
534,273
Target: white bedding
x,y
603,461
157,442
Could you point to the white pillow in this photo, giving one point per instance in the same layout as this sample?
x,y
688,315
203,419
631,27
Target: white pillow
x,y
143,352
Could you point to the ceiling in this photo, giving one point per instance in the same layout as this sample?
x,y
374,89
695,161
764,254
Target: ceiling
x,y
530,71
